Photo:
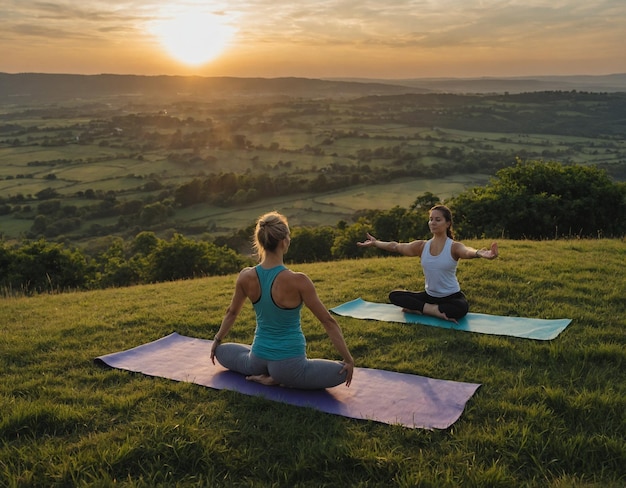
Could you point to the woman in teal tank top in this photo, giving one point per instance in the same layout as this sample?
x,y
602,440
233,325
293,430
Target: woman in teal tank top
x,y
278,352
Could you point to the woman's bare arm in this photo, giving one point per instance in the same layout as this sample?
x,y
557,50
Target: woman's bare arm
x,y
413,248
313,303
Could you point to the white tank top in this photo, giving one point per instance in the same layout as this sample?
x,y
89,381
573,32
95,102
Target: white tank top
x,y
440,271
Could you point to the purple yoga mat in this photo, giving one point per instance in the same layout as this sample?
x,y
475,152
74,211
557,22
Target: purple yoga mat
x,y
383,396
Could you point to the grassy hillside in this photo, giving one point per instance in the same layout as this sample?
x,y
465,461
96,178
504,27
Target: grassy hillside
x,y
547,414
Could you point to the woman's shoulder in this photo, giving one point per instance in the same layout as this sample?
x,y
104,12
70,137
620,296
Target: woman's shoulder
x,y
293,277
456,249
418,244
247,273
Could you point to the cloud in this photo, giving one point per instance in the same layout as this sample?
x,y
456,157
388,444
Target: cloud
x,y
41,31
425,23
396,23
356,32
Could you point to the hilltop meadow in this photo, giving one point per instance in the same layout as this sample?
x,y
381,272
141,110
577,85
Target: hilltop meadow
x,y
548,413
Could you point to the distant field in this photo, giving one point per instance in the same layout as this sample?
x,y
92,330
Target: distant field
x,y
329,208
305,210
10,227
400,147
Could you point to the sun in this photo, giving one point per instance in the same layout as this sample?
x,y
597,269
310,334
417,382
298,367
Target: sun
x,y
194,37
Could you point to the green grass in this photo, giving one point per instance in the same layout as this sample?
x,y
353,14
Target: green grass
x,y
548,413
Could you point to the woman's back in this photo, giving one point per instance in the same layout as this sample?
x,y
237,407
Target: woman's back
x,y
278,334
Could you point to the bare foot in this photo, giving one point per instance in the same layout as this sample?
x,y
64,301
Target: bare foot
x,y
264,379
415,312
445,317
433,310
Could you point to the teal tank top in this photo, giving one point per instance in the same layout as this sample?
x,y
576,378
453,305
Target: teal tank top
x,y
278,333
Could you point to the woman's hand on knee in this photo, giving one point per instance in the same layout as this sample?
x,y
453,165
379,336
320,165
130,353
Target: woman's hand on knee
x,y
348,369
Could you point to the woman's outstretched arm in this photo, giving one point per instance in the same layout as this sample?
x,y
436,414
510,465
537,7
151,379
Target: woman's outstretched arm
x,y
413,248
461,251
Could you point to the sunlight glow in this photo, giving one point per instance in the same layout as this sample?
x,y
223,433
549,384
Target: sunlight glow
x,y
194,37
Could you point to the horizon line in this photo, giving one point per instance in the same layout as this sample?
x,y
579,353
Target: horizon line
x,y
483,77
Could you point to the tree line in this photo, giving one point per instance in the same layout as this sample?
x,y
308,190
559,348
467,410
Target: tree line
x,y
43,266
530,200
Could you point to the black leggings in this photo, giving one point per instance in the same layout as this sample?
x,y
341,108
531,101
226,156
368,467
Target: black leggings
x,y
455,306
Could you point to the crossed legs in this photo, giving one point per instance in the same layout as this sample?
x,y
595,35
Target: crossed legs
x,y
298,372
451,308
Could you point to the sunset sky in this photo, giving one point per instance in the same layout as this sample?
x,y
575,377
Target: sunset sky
x,y
320,39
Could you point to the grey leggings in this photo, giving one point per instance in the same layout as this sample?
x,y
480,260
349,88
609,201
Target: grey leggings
x,y
298,372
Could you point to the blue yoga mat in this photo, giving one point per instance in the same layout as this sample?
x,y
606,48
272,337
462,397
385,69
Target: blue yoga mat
x,y
382,396
528,328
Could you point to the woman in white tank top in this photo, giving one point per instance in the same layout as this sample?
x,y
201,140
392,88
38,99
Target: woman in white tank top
x,y
442,296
